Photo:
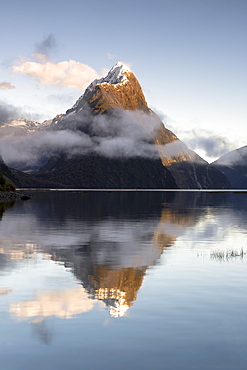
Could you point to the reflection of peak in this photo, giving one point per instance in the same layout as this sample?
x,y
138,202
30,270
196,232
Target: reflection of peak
x,y
114,299
117,288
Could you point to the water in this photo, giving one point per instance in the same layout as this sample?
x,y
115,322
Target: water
x,y
137,280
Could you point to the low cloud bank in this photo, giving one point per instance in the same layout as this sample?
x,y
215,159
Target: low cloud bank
x,y
115,136
211,145
122,134
8,112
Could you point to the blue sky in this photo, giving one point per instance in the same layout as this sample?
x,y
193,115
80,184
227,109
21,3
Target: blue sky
x,y
190,57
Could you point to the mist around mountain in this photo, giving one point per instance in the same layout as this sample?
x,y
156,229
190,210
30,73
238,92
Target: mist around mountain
x,y
110,138
234,166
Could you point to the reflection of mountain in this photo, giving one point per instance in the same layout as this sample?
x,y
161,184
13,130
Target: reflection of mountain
x,y
113,259
4,207
108,241
116,288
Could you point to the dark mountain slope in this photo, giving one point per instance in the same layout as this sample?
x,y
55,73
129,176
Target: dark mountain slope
x,y
23,180
234,166
97,172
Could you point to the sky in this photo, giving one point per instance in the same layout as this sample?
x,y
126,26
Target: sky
x,y
190,57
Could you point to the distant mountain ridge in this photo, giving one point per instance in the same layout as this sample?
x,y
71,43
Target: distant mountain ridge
x,y
234,166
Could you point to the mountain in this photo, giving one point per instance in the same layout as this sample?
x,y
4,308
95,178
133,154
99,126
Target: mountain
x,y
22,126
234,166
126,145
23,180
18,127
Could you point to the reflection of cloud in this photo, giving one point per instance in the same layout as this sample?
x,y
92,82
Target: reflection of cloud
x,y
60,303
6,86
20,251
42,331
4,291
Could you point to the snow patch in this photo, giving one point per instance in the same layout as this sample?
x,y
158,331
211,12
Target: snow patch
x,y
115,76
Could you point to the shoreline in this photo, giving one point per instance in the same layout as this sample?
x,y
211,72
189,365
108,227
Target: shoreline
x,y
9,196
85,190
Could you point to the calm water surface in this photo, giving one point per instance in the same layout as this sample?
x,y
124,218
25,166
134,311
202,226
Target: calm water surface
x,y
137,280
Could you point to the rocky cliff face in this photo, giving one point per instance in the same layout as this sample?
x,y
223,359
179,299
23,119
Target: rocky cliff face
x,y
118,90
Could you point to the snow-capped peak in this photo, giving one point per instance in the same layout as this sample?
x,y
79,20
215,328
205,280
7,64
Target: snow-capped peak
x,y
114,76
117,73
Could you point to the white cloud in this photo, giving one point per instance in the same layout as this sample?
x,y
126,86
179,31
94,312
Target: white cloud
x,y
6,86
41,57
210,145
111,56
67,73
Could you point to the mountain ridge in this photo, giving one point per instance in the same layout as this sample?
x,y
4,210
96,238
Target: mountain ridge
x,y
234,166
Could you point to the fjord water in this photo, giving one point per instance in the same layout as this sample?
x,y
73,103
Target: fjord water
x,y
138,280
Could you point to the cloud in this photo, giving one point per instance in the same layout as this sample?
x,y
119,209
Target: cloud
x,y
46,46
8,112
70,73
122,134
41,57
161,115
31,148
111,56
115,136
212,145
6,86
